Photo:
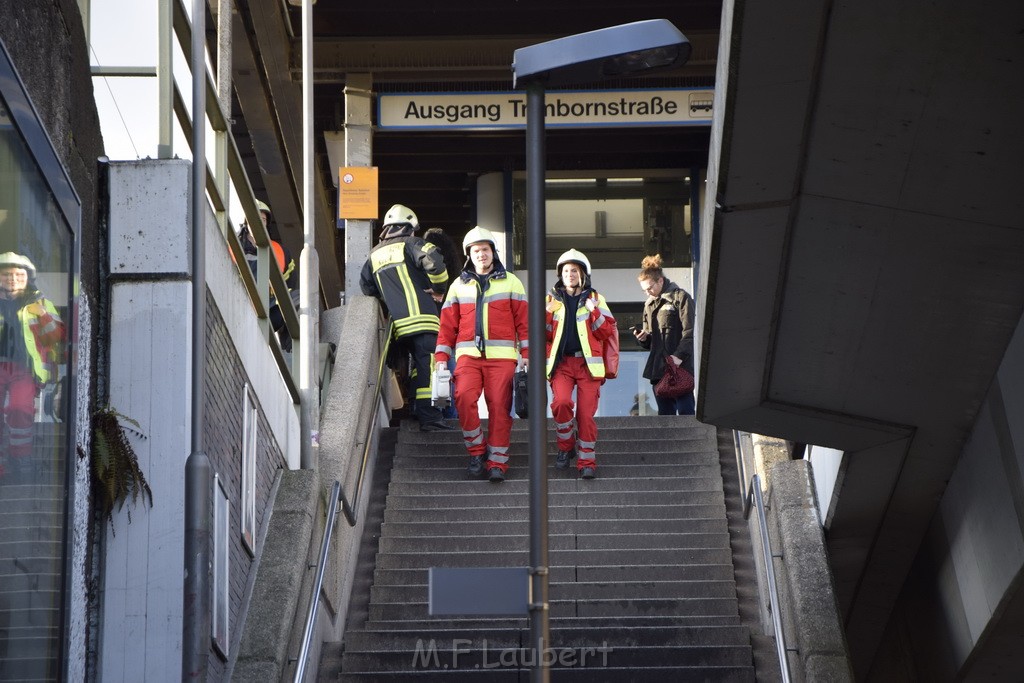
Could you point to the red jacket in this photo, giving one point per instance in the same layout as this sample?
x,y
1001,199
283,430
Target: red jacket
x,y
488,321
595,328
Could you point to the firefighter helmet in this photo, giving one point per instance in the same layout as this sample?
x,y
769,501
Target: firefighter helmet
x,y
9,259
401,215
476,235
573,256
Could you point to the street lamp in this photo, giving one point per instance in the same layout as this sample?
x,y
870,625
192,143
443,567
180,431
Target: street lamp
x,y
582,58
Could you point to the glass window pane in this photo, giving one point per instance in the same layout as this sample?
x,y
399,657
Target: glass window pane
x,y
35,275
617,221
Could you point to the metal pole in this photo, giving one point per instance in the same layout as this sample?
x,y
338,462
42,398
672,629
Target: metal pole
x,y
309,265
535,238
197,596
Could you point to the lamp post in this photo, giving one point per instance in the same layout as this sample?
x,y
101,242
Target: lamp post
x,y
578,59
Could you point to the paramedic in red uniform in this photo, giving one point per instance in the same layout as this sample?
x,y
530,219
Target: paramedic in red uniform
x,y
31,335
579,324
483,325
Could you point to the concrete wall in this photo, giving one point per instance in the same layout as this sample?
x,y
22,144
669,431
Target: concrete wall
x,y
969,570
283,586
150,377
46,42
812,625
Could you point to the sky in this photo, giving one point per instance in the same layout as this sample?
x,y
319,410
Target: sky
x,y
124,33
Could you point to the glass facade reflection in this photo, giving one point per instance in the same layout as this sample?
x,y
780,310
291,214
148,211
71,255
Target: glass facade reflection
x,y
36,269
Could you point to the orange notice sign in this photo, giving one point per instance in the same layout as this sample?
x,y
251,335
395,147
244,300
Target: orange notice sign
x,y
357,192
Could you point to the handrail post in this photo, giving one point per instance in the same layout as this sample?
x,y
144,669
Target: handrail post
x,y
773,591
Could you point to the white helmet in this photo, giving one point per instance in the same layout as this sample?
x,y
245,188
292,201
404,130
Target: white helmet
x,y
573,256
401,215
476,235
262,206
9,259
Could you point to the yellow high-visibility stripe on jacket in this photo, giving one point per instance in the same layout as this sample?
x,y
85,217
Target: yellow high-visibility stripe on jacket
x,y
41,329
593,327
484,322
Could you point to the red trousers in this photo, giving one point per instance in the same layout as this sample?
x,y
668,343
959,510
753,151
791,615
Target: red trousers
x,y
493,378
577,430
18,398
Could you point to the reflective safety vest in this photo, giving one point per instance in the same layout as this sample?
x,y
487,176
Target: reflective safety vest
x,y
42,330
487,320
398,272
593,328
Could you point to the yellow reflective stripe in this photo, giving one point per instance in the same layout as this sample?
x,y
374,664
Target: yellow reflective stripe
x,y
38,365
409,289
416,324
440,278
387,255
493,353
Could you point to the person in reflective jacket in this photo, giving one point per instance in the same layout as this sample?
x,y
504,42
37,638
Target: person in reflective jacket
x,y
483,322
579,323
408,275
31,343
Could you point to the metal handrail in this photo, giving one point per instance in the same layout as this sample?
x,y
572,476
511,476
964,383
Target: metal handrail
x,y
349,510
314,602
338,495
773,591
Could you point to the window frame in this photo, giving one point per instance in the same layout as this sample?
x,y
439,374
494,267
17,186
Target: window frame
x,y
28,123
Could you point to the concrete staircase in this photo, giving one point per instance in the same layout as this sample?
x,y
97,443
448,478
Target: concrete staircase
x,y
642,586
31,562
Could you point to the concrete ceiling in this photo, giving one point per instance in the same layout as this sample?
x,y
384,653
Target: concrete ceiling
x,y
864,263
456,45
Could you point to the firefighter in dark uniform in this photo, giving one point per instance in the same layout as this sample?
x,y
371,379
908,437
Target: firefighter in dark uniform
x,y
408,275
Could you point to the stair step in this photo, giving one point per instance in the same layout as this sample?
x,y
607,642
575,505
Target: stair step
x,y
598,655
557,558
558,513
455,472
664,572
583,590
568,636
626,449
734,674
427,625
556,541
492,496
568,526
664,433
691,607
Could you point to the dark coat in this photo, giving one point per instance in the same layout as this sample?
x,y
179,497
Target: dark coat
x,y
668,319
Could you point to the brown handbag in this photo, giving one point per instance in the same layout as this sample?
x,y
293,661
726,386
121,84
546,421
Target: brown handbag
x,y
675,382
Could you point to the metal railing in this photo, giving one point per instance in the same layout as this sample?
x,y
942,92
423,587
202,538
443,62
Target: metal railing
x,y
752,498
173,23
371,425
318,582
349,510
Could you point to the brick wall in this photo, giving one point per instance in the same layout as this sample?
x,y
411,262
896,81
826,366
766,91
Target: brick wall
x,y
225,382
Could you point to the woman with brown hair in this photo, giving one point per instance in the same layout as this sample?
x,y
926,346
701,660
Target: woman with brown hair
x,y
667,330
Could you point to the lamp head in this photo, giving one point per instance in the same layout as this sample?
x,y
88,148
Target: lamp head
x,y
604,53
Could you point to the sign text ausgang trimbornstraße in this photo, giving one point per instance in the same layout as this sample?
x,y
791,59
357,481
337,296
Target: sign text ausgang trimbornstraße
x,y
490,110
